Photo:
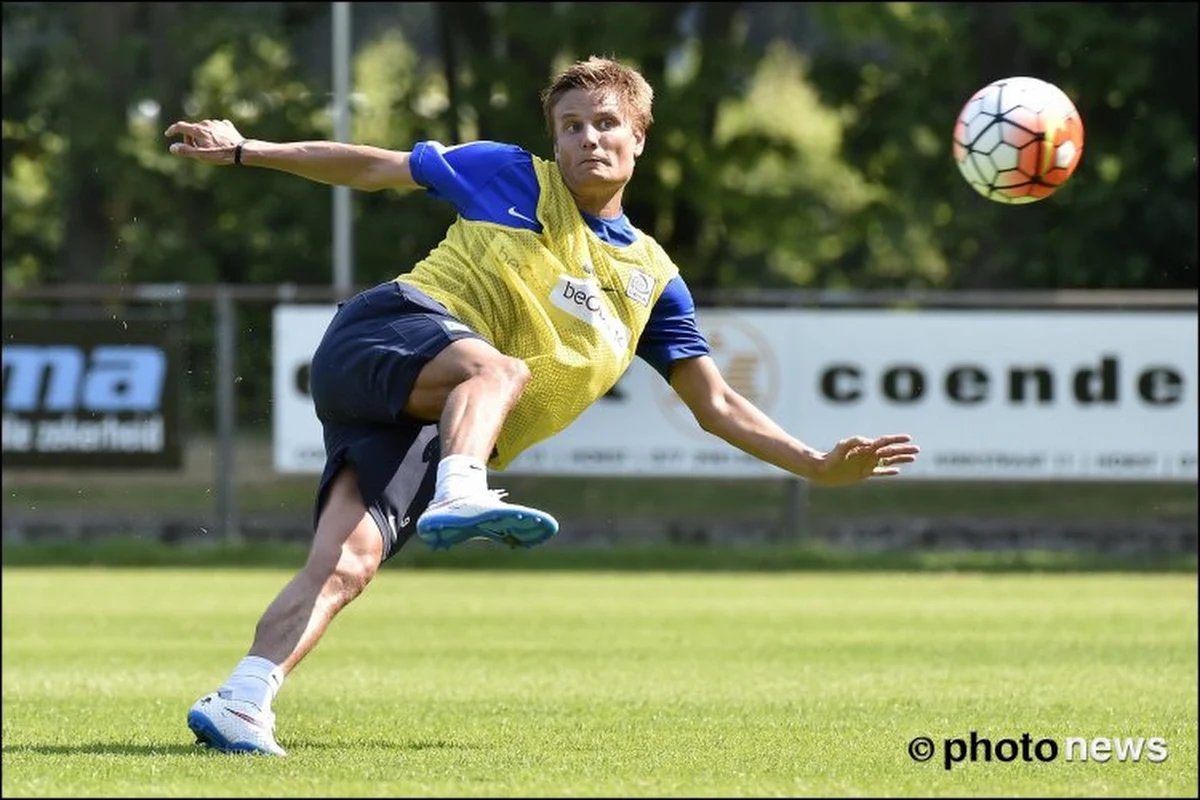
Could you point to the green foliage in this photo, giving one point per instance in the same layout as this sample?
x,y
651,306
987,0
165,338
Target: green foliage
x,y
1127,218
816,153
793,145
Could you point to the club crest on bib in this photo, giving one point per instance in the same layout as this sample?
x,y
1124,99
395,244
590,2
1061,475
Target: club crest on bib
x,y
640,287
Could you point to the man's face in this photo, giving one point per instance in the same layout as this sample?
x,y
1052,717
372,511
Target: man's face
x,y
593,141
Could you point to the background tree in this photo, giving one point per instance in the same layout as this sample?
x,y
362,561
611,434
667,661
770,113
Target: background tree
x,y
1127,219
794,144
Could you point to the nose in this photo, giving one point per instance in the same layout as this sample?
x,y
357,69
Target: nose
x,y
590,137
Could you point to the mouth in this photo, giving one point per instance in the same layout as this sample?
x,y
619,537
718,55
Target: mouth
x,y
594,161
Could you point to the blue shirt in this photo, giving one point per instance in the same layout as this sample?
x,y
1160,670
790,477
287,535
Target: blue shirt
x,y
493,182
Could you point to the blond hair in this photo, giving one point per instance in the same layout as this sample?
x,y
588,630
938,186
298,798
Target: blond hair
x,y
627,85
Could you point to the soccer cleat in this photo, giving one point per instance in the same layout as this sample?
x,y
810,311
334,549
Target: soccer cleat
x,y
233,726
484,516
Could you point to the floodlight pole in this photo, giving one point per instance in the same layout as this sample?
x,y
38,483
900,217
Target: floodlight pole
x,y
343,233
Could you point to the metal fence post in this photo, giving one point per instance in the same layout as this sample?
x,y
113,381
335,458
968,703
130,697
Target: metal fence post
x,y
226,367
797,527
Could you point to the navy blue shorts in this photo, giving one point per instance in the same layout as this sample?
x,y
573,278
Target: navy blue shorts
x,y
361,376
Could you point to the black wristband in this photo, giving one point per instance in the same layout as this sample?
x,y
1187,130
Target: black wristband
x,y
237,153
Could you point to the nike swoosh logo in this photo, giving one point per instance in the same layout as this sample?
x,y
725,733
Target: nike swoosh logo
x,y
512,212
253,721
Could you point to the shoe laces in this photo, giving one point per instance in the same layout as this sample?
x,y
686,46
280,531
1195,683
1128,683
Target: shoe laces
x,y
498,494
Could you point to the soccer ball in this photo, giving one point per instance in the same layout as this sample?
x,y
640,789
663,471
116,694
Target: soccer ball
x,y
1018,140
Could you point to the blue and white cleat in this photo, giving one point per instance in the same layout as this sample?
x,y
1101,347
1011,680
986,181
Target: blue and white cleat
x,y
233,726
484,516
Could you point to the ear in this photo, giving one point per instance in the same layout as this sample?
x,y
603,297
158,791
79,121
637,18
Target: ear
x,y
639,143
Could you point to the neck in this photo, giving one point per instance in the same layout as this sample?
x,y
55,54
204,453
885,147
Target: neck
x,y
604,203
599,201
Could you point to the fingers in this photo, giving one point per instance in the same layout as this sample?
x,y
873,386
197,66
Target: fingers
x,y
892,451
195,133
895,438
897,450
895,445
189,132
879,457
888,461
209,140
849,445
184,128
882,447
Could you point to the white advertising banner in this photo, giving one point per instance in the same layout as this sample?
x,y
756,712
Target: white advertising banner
x,y
297,330
1008,394
995,395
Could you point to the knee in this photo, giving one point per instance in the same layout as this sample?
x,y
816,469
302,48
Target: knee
x,y
354,571
343,571
516,373
509,374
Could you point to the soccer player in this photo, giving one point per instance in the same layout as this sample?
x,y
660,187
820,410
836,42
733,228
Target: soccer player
x,y
529,310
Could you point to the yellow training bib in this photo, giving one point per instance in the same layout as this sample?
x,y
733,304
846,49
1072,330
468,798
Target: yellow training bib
x,y
568,304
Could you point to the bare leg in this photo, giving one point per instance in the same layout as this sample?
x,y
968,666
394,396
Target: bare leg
x,y
345,555
469,388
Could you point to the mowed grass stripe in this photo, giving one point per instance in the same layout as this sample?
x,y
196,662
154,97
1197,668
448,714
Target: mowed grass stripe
x,y
591,684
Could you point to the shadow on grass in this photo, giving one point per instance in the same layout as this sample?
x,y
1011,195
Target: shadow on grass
x,y
101,749
158,750
378,744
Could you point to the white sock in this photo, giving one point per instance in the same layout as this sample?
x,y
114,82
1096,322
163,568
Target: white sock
x,y
256,680
459,476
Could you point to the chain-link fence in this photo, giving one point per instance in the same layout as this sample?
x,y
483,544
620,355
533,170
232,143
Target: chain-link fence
x,y
223,483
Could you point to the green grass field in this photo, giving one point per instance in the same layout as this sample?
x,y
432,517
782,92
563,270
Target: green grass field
x,y
508,683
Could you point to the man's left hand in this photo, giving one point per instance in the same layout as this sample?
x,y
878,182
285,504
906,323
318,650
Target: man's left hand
x,y
859,457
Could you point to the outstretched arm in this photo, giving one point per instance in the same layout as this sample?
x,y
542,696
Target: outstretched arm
x,y
354,165
723,412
